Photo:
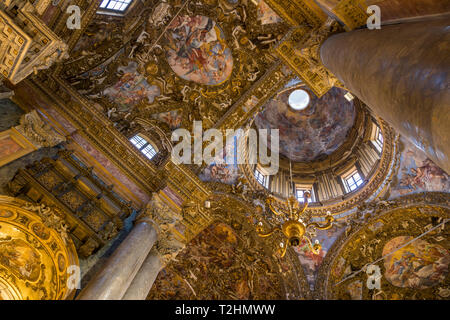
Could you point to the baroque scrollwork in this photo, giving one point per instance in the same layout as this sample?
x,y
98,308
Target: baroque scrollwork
x,y
38,131
51,218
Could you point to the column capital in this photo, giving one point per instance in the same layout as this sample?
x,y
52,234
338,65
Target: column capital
x,y
38,132
168,248
159,214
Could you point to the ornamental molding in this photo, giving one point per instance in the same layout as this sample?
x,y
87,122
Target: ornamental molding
x,y
96,128
38,132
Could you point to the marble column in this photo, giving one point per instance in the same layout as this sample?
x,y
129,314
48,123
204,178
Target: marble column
x,y
402,73
113,280
144,279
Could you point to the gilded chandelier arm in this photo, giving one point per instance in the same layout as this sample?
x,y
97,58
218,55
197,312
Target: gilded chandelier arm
x,y
329,223
268,234
269,202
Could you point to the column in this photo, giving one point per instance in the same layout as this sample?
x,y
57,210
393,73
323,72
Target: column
x,y
401,72
113,280
144,279
164,251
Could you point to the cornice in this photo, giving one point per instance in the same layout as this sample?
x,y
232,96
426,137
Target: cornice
x,y
99,131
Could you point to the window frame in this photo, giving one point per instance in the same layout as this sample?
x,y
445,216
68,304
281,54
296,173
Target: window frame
x,y
312,197
144,146
261,178
108,10
357,183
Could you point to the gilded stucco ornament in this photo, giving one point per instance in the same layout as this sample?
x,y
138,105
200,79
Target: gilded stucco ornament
x,y
35,252
164,219
38,132
379,228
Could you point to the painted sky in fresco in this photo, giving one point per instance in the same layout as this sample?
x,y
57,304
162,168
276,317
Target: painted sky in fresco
x,y
197,51
310,134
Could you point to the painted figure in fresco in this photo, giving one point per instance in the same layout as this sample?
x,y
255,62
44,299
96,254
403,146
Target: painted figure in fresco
x,y
418,173
172,118
131,89
418,265
197,51
423,175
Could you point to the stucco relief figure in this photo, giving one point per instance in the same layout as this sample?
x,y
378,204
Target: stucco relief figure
x,y
419,265
197,51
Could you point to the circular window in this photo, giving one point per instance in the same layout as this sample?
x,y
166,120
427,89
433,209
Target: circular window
x,y
299,99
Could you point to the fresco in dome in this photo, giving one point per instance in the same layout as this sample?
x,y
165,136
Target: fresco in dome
x,y
417,173
131,89
197,51
266,15
311,262
419,265
172,118
314,132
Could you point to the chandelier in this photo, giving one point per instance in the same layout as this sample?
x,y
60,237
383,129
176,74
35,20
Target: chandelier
x,y
296,224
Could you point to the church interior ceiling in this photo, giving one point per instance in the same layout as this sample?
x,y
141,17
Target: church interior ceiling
x,y
313,133
229,261
170,62
411,270
194,68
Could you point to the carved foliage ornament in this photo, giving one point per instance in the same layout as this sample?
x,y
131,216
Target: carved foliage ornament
x,y
38,132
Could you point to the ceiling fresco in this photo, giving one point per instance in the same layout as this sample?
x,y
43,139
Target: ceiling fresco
x,y
199,58
197,50
313,133
417,173
413,268
311,262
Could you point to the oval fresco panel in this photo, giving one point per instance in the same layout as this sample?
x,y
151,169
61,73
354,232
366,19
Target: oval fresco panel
x,y
419,265
197,51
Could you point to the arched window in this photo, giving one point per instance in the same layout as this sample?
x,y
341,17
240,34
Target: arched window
x,y
115,5
144,146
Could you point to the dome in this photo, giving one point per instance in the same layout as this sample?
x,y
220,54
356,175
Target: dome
x,y
312,133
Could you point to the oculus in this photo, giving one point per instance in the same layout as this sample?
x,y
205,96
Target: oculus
x,y
299,99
